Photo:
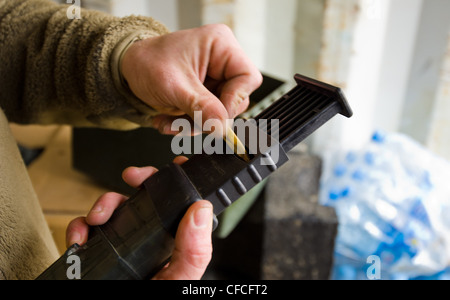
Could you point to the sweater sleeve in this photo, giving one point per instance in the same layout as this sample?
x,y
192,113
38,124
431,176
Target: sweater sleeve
x,y
55,70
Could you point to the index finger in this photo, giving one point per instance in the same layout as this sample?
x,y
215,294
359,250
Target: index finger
x,y
231,65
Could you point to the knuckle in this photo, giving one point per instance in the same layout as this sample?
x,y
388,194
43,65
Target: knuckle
x,y
75,223
199,259
240,103
219,29
258,78
223,28
109,196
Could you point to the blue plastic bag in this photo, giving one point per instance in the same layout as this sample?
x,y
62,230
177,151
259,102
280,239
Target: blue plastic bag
x,y
392,198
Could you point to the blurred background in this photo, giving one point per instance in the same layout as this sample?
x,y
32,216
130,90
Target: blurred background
x,y
391,57
382,172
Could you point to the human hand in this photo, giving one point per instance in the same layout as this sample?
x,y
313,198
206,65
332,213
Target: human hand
x,y
193,246
201,69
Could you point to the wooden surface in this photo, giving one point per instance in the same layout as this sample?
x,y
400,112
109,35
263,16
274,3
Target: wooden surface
x,y
64,193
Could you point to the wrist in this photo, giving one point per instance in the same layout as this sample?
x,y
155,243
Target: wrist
x,y
128,43
120,80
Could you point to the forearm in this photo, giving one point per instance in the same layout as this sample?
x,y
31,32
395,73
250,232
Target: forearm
x,y
57,70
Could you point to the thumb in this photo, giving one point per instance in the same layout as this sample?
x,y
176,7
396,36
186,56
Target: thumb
x,y
193,246
206,110
203,108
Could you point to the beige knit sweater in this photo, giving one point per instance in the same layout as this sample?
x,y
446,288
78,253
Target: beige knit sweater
x,y
55,70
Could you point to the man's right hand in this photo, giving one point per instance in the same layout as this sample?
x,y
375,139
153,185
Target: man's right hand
x,y
201,69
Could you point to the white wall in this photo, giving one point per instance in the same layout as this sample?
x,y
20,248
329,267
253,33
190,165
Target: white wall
x,y
165,11
264,28
392,77
426,67
351,56
122,8
439,136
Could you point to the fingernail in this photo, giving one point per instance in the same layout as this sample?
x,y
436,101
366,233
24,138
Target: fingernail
x,y
203,217
240,98
97,209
